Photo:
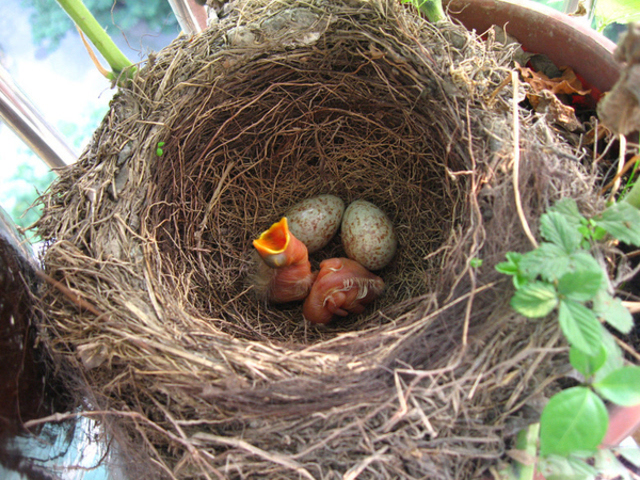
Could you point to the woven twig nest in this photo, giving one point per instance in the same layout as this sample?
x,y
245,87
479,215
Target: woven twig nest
x,y
275,103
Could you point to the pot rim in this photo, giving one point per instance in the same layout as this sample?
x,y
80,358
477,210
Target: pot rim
x,y
541,29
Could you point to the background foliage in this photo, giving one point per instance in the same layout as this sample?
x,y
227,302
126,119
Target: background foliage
x,y
50,23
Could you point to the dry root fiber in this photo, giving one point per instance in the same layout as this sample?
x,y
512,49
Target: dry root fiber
x,y
275,103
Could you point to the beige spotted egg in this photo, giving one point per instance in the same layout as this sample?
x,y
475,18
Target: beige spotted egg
x,y
368,236
316,220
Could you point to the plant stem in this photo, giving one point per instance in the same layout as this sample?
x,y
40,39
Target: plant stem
x,y
527,441
432,9
98,36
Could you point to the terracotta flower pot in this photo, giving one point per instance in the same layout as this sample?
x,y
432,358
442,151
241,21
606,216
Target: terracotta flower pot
x,y
543,30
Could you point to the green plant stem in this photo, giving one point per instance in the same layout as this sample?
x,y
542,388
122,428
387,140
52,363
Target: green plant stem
x,y
433,10
527,441
87,23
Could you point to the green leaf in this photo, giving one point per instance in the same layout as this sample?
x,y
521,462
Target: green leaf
x,y
599,233
548,261
587,365
569,209
475,262
613,311
520,281
555,228
622,221
554,467
574,420
615,359
551,262
584,231
512,265
580,326
581,285
584,261
536,299
621,386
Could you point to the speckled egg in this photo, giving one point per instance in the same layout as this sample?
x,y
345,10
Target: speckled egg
x,y
316,220
367,235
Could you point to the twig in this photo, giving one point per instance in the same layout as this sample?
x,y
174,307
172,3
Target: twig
x,y
623,150
103,71
630,163
494,94
80,302
627,348
360,467
627,276
516,160
634,307
467,311
201,437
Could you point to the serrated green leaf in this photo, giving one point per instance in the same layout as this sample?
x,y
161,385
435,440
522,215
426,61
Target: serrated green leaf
x,y
574,420
506,268
555,228
621,386
520,281
613,311
554,467
548,261
580,326
587,365
536,299
622,221
615,359
584,231
581,285
599,233
511,266
551,262
569,208
582,260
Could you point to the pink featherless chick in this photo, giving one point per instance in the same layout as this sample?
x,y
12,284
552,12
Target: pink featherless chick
x,y
343,286
284,274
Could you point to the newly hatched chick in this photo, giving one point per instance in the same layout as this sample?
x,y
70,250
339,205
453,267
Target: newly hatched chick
x,y
284,275
343,286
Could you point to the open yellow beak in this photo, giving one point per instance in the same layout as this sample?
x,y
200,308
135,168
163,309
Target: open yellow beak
x,y
272,243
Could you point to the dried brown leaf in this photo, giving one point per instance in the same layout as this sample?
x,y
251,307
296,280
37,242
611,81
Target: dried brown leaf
x,y
557,112
568,83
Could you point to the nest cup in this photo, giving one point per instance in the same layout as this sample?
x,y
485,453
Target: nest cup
x,y
273,104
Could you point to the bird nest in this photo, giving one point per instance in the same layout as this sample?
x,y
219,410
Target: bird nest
x,y
150,310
